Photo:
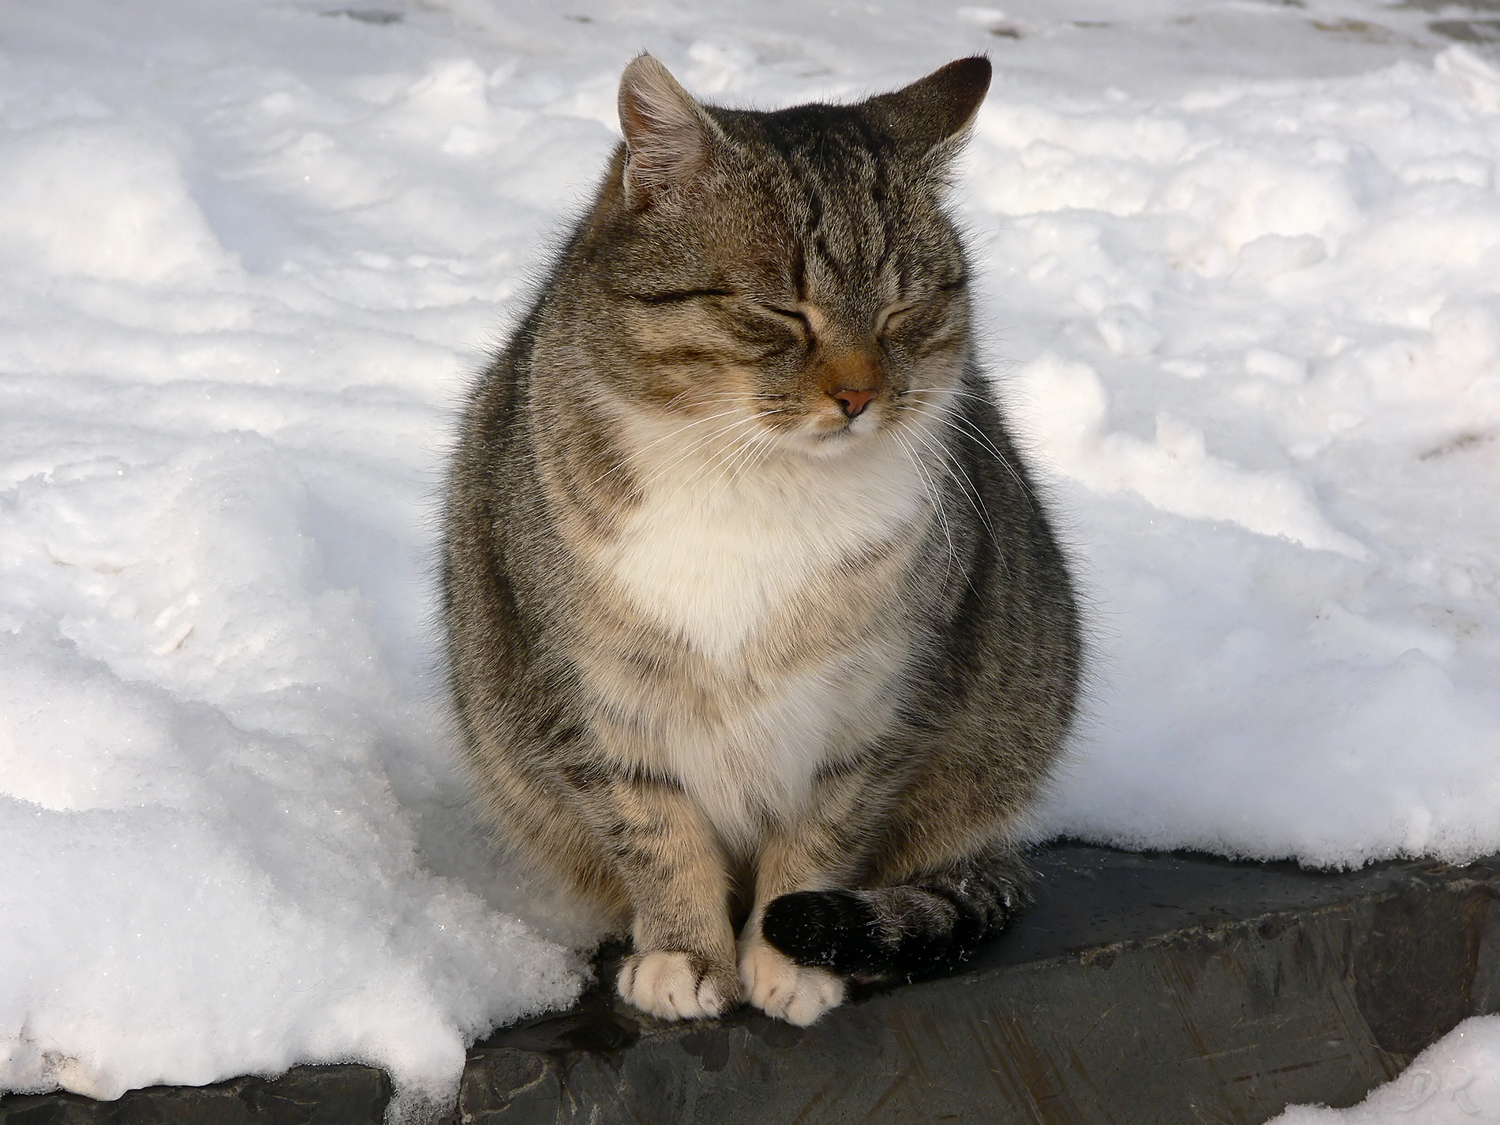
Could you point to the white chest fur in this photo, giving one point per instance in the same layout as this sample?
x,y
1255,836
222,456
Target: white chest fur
x,y
715,558
711,553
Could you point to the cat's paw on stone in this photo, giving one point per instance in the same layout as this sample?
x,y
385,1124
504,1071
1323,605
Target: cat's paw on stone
x,y
677,986
779,987
699,583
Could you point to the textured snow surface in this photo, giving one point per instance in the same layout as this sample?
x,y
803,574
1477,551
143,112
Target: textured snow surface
x,y
1456,1081
1239,277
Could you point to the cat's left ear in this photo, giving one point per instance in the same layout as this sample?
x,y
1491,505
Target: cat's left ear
x,y
669,140
932,116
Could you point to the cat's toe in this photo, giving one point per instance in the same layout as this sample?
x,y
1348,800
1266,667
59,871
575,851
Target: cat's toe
x,y
780,988
676,986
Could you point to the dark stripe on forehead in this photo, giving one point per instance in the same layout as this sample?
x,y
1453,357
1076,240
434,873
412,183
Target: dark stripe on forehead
x,y
882,259
878,240
814,207
837,171
830,262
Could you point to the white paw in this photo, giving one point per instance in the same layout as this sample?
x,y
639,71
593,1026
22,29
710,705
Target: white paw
x,y
780,988
670,986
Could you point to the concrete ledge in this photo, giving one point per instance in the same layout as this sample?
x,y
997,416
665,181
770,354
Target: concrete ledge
x,y
304,1095
1160,988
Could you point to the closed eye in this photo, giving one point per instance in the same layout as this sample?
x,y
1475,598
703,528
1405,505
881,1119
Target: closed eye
x,y
678,296
797,317
791,314
892,316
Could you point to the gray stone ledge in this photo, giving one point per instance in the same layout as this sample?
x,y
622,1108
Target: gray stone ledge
x,y
1140,989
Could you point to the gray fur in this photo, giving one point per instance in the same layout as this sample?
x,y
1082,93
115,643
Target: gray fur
x,y
760,326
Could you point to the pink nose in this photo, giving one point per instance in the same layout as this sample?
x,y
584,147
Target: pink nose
x,y
853,401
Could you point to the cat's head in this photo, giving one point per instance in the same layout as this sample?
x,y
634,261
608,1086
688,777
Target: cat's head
x,y
794,266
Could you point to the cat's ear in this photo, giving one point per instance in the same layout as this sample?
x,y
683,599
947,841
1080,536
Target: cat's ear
x,y
669,140
931,117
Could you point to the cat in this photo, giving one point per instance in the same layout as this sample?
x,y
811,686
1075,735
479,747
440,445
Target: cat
x,y
758,636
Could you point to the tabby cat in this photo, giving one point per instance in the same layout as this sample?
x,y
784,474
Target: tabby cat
x,y
758,636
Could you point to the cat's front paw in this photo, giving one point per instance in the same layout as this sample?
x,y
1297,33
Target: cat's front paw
x,y
677,986
781,988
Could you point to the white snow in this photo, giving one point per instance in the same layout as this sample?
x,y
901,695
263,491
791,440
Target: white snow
x,y
1267,370
1240,282
1456,1081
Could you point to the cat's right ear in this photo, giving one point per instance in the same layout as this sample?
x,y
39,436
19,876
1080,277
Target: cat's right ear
x,y
669,140
931,118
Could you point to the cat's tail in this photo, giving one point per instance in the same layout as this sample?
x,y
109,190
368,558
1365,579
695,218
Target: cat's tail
x,y
932,924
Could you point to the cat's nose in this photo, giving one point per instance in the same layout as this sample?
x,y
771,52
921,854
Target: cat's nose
x,y
853,401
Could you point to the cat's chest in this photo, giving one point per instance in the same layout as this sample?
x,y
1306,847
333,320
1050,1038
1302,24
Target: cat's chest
x,y
713,559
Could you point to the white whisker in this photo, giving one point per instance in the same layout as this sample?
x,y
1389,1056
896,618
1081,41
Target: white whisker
x,y
966,427
935,496
664,437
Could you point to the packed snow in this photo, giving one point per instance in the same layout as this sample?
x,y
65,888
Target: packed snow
x,y
1240,285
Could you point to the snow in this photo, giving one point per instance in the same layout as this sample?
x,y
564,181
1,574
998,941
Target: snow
x,y
1257,337
1238,280
1456,1081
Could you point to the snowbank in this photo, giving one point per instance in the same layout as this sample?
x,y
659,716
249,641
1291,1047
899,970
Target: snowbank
x,y
1262,323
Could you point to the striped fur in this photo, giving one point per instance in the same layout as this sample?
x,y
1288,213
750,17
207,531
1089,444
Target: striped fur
x,y
758,636
931,925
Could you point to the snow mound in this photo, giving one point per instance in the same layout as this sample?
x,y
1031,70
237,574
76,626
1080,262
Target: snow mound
x,y
101,199
199,802
1268,392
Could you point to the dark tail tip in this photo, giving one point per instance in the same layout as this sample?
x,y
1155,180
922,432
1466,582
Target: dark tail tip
x,y
834,930
902,931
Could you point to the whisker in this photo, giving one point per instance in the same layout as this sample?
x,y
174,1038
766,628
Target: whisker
x,y
753,452
715,465
666,437
755,449
967,428
957,473
666,469
768,446
726,396
979,435
934,496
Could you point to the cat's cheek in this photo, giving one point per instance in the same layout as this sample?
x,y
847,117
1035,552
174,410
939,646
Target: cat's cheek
x,y
675,986
777,986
